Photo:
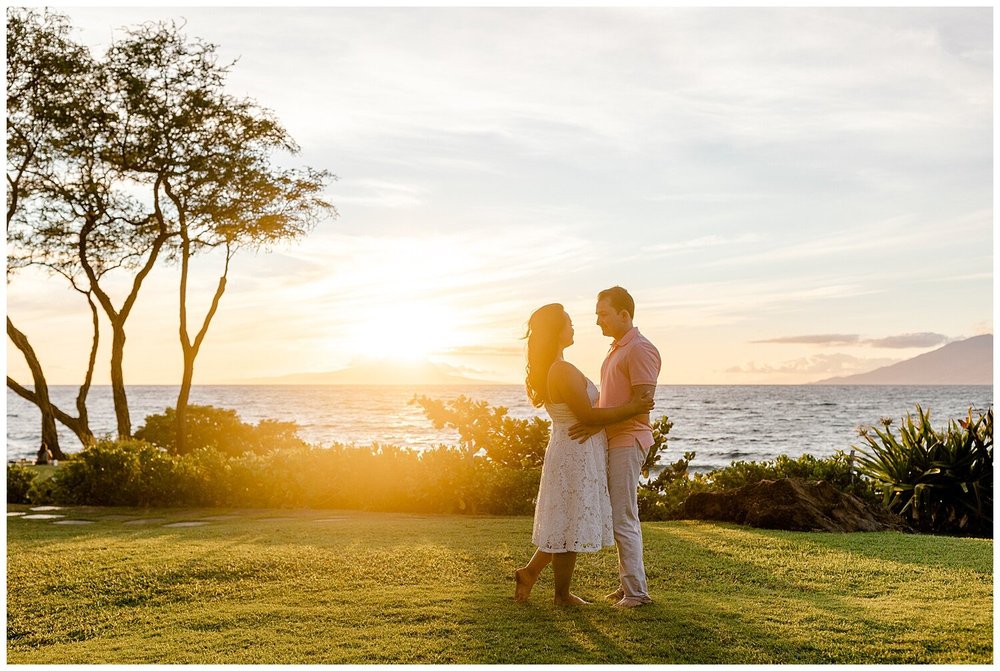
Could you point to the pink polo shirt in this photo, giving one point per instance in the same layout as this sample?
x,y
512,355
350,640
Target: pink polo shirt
x,y
633,360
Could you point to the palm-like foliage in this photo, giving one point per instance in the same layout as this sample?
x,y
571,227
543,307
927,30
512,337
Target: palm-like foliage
x,y
941,481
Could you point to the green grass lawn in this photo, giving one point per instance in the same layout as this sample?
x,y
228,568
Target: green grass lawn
x,y
280,586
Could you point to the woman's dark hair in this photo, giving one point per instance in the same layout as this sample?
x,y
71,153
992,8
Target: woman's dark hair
x,y
544,326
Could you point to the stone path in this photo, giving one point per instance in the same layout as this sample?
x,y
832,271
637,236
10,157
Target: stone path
x,y
74,516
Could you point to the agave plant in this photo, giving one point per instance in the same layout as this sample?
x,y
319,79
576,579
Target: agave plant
x,y
939,480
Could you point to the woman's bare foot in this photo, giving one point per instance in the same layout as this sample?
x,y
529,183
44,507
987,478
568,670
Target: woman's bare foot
x,y
573,600
523,582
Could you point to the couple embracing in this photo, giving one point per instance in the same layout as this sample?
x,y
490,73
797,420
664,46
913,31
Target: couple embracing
x,y
599,441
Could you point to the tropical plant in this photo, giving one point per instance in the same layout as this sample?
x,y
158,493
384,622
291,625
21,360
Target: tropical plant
x,y
940,481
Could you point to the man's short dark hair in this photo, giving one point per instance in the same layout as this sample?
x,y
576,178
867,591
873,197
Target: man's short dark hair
x,y
619,299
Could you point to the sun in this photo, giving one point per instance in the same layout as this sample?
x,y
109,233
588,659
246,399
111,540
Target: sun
x,y
409,332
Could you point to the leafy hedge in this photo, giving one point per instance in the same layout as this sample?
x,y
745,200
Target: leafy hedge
x,y
136,473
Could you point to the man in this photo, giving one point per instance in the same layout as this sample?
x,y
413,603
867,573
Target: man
x,y
630,368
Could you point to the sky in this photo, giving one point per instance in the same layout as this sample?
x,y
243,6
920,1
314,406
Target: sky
x,y
788,194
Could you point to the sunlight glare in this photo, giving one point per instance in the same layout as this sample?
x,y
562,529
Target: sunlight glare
x,y
405,332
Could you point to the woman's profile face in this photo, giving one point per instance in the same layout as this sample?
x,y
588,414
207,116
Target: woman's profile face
x,y
566,334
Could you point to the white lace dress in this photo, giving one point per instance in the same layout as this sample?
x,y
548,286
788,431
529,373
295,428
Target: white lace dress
x,y
573,511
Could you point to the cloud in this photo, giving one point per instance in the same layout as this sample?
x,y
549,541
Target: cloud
x,y
909,340
377,193
903,341
820,364
850,339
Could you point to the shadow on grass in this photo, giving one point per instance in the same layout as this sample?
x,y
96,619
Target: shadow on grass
x,y
438,589
713,607
923,550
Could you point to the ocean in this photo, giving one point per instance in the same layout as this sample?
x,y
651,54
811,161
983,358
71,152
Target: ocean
x,y
721,424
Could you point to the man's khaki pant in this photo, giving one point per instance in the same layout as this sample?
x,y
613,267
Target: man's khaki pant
x,y
624,467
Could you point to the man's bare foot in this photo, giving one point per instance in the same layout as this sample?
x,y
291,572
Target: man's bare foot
x,y
573,600
523,582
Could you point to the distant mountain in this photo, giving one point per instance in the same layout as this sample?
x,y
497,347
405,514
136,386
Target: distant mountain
x,y
379,372
964,362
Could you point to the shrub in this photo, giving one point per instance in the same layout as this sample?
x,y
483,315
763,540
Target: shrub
x,y
42,492
19,479
377,477
515,443
941,481
839,470
662,497
117,473
219,429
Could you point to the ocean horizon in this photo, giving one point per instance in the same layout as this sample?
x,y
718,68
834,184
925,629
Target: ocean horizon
x,y
720,423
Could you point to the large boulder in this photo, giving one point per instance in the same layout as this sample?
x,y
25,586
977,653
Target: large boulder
x,y
793,504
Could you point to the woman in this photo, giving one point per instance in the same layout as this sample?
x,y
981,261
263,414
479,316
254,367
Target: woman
x,y
573,510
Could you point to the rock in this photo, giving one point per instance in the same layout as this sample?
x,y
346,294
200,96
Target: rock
x,y
792,504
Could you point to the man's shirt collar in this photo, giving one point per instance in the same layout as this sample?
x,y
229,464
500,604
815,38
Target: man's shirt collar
x,y
625,339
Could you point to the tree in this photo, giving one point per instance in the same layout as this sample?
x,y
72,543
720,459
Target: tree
x,y
211,154
44,74
147,158
87,218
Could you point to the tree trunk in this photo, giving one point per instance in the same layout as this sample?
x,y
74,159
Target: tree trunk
x,y
182,402
82,424
118,381
189,349
50,437
77,425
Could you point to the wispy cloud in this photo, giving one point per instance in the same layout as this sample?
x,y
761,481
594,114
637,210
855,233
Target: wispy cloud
x,y
903,341
813,340
909,340
734,301
820,364
376,193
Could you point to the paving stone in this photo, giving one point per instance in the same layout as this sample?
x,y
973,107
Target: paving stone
x,y
73,522
14,514
42,516
40,509
186,524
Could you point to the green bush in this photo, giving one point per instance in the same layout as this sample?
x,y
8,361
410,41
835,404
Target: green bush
x,y
377,477
42,492
840,470
19,479
662,497
482,429
940,480
219,429
117,473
